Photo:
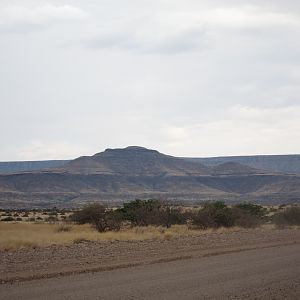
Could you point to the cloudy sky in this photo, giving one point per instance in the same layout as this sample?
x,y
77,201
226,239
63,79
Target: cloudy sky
x,y
189,78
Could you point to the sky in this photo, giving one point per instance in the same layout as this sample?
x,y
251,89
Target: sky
x,y
188,78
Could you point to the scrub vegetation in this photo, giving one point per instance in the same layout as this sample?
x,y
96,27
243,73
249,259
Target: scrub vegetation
x,y
135,220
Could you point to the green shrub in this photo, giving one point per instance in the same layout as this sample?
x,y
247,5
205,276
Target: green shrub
x,y
141,212
215,214
151,212
171,215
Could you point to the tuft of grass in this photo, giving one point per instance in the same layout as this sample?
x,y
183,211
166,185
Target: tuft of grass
x,y
63,228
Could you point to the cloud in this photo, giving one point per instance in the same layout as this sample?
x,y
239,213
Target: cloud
x,y
167,43
247,17
246,130
190,77
172,32
22,18
44,150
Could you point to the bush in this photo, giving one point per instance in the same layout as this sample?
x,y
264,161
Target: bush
x,y
113,220
151,212
245,219
156,213
170,216
289,217
97,215
252,209
214,215
217,214
8,219
141,212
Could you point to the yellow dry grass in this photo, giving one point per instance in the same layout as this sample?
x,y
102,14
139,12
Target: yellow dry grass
x,y
25,235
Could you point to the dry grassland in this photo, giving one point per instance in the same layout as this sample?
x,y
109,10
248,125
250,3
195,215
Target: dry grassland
x,y
14,236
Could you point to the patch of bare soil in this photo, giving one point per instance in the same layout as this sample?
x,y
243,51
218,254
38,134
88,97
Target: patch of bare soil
x,y
52,261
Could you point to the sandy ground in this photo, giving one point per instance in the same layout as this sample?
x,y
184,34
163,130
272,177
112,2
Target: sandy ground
x,y
54,261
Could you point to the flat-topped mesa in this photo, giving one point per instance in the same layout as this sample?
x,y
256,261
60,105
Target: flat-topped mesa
x,y
130,150
134,161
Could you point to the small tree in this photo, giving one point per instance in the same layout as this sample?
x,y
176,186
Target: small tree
x,y
141,212
98,216
171,216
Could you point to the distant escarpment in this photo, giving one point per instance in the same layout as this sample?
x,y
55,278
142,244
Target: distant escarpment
x,y
117,175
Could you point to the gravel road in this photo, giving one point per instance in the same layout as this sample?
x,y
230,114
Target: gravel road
x,y
241,264
266,273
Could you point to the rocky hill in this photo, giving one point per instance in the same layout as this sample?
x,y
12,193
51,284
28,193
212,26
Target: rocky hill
x,y
134,172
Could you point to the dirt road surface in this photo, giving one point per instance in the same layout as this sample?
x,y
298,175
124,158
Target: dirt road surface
x,y
244,264
270,273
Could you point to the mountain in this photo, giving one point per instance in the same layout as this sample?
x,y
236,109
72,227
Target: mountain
x,y
134,160
117,175
273,163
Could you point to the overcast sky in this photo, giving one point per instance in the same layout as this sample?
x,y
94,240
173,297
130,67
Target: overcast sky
x,y
188,78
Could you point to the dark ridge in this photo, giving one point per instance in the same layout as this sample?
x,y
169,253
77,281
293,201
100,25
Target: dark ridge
x,y
272,163
23,166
